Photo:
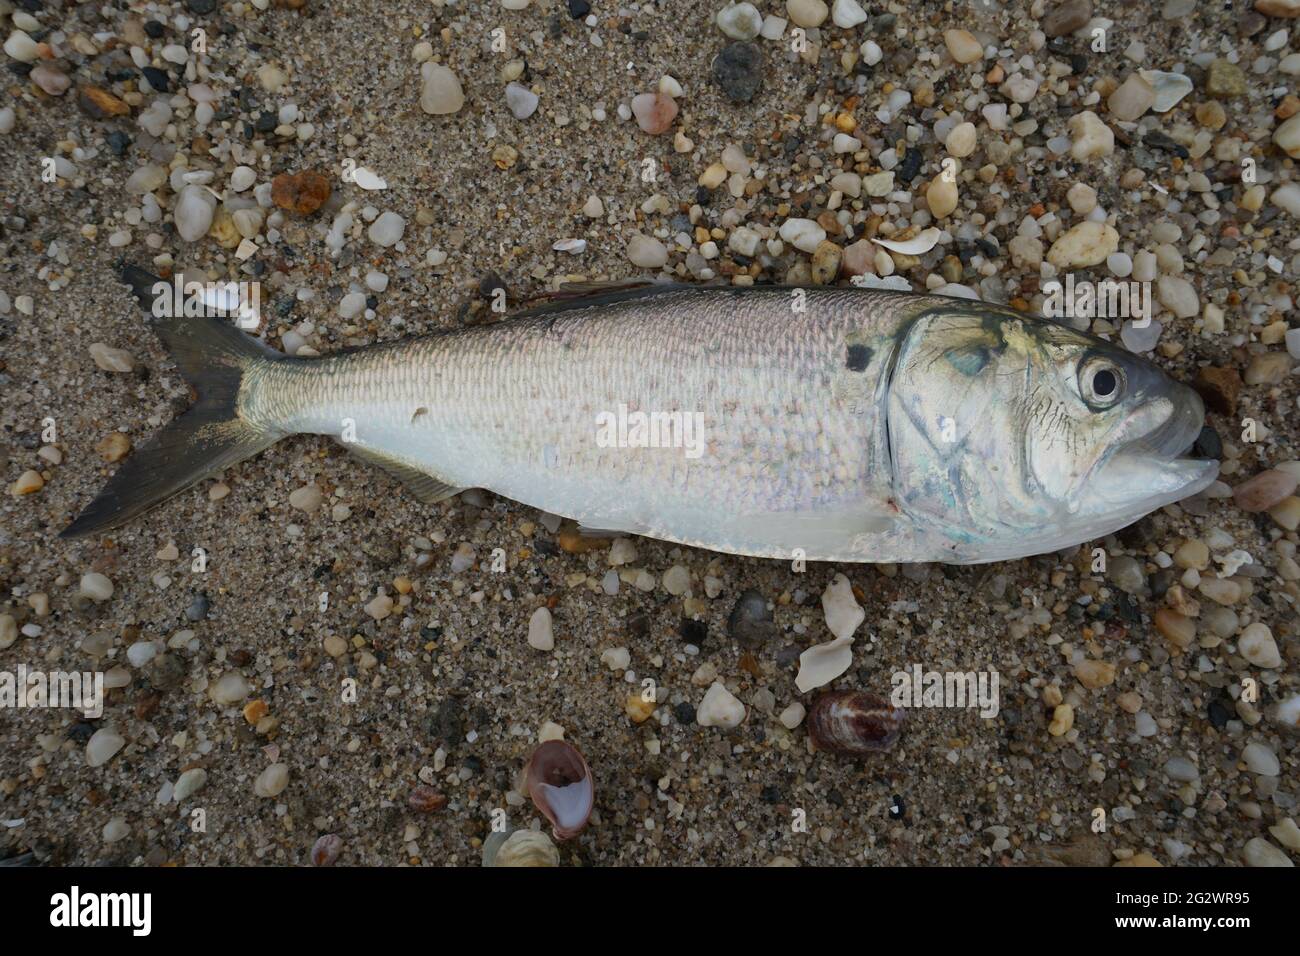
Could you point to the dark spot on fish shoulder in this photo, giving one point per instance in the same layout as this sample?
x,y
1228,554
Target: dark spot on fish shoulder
x,y
857,358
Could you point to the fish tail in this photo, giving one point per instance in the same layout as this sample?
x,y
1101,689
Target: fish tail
x,y
210,436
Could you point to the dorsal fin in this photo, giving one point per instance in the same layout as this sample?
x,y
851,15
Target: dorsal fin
x,y
581,295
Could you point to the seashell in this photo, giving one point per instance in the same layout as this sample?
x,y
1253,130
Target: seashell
x,y
368,179
560,785
520,848
326,850
574,246
918,245
853,723
1170,88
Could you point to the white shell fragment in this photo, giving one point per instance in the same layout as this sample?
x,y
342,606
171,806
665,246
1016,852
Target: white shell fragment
x,y
1170,88
368,179
918,245
575,246
820,665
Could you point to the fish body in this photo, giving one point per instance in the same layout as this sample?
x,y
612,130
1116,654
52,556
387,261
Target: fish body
x,y
824,424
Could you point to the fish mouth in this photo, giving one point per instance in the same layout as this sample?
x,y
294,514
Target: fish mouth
x,y
1151,465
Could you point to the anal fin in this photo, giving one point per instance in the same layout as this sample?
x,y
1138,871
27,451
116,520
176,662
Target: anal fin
x,y
426,488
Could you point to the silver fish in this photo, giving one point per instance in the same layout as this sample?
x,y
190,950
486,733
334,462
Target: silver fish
x,y
826,424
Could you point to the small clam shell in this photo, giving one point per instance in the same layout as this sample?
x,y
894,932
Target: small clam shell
x,y
326,850
561,787
853,723
521,848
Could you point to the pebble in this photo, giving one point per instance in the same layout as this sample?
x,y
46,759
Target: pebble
x,y
103,746
677,580
231,688
1257,645
540,634
29,482
116,829
825,266
189,783
1278,8
96,586
51,81
272,781
793,715
750,622
1182,770
847,14
307,498
1265,490
1066,17
440,91
379,607
1090,138
1287,136
646,252
1268,368
806,13
654,112
302,193
1287,198
195,207
1259,759
1259,852
961,141
720,708
1178,296
738,70
740,21
804,234
110,359
1224,80
521,101
1087,244
1176,628
387,229
1131,99
113,447
962,46
941,197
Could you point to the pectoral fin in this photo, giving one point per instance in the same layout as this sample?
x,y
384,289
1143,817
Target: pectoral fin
x,y
426,488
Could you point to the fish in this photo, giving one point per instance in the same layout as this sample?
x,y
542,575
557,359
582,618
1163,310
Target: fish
x,y
821,423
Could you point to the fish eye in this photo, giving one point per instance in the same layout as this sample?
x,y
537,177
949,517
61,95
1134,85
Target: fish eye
x,y
1101,383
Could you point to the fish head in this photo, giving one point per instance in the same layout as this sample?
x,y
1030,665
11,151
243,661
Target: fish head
x,y
1013,435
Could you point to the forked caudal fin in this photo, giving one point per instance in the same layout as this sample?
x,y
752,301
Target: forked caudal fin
x,y
208,437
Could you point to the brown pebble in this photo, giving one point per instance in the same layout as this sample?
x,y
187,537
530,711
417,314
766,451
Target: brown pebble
x,y
573,542
302,193
1219,387
426,800
113,447
100,104
1066,17
1264,490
